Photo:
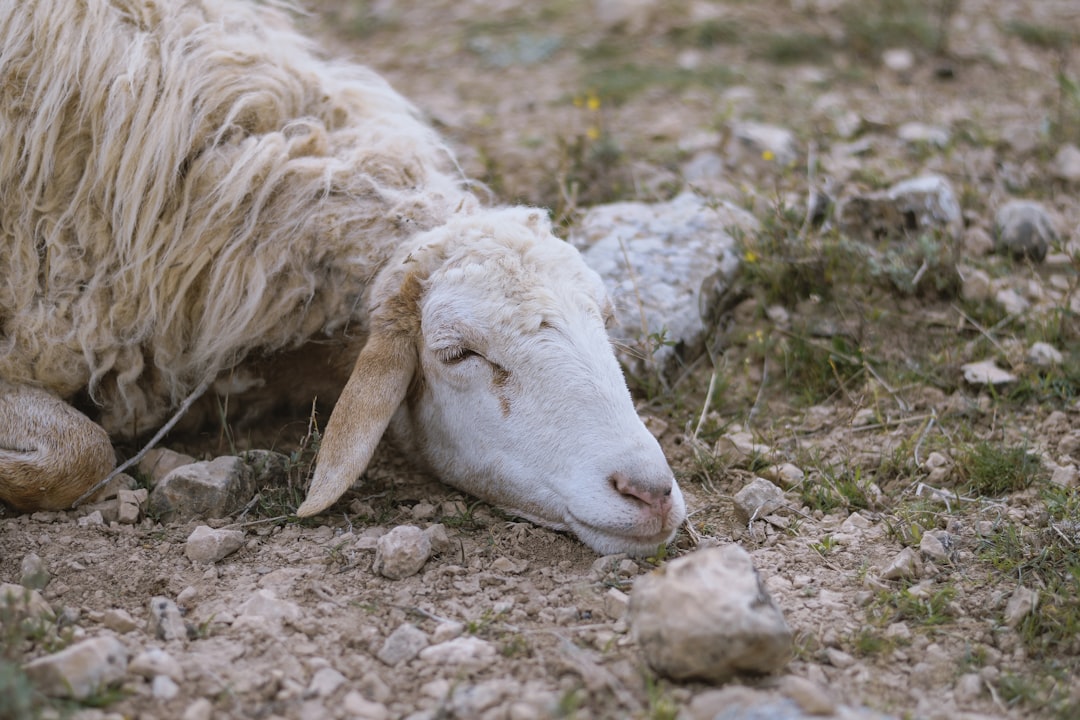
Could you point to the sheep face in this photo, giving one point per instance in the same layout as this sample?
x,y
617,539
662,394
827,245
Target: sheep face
x,y
489,360
518,398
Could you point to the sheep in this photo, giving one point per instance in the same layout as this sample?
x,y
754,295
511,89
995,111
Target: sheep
x,y
192,196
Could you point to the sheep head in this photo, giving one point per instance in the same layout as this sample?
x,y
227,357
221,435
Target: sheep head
x,y
488,359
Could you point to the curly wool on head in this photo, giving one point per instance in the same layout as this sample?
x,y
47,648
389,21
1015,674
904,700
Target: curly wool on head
x,y
190,192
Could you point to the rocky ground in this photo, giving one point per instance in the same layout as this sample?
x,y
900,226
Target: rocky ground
x,y
880,405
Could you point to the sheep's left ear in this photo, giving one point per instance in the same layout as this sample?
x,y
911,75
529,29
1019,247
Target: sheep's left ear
x,y
378,384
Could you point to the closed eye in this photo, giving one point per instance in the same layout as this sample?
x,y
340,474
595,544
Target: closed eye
x,y
455,355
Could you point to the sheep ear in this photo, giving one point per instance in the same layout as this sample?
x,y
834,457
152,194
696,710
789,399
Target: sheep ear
x,y
373,393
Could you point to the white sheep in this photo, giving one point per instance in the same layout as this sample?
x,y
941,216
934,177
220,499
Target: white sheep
x,y
189,195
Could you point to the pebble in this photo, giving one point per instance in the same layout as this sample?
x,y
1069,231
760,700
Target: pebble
x,y
976,286
1021,604
153,662
25,601
468,651
1065,476
94,519
786,475
616,603
201,709
760,138
918,204
264,604
707,615
1024,229
808,695
932,548
81,670
402,645
741,446
325,682
159,462
118,620
986,372
165,621
917,133
360,708
759,498
968,688
905,565
447,630
32,572
208,545
1067,163
162,687
899,60
1044,355
401,552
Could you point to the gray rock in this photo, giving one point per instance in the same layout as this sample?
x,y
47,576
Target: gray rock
x,y
203,490
357,706
1021,604
153,662
401,552
912,206
933,548
165,621
899,60
130,504
118,620
666,266
707,615
1044,355
80,671
267,466
917,133
207,545
905,565
1024,229
162,687
808,695
758,499
466,652
32,572
325,682
266,605
201,709
1067,163
21,600
756,139
402,645
986,372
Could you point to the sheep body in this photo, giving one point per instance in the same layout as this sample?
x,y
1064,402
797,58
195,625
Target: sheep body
x,y
187,192
149,184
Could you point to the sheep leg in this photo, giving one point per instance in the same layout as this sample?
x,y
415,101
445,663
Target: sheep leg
x,y
50,453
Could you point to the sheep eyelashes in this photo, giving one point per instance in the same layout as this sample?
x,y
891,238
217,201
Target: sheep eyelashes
x,y
191,194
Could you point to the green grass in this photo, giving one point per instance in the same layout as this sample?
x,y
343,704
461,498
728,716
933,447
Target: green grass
x,y
990,469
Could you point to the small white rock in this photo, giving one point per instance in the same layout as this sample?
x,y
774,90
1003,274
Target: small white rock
x,y
401,552
616,603
905,565
933,549
403,644
1021,604
757,499
153,662
466,651
165,621
1044,355
899,60
447,630
201,709
207,545
808,695
360,708
162,687
986,372
325,682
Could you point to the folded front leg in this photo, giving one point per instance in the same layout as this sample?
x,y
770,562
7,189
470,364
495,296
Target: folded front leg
x,y
50,453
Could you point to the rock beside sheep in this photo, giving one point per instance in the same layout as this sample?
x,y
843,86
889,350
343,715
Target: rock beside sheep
x,y
207,545
663,263
708,616
203,490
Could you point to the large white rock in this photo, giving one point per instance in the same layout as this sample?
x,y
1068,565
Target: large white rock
x,y
666,265
80,671
708,616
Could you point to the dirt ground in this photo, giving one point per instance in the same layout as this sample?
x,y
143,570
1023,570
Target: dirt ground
x,y
569,104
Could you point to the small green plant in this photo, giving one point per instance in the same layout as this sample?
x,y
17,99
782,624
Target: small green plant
x,y
661,705
825,546
923,608
991,469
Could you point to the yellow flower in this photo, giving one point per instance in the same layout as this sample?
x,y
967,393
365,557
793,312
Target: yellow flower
x,y
593,102
593,133
750,256
768,156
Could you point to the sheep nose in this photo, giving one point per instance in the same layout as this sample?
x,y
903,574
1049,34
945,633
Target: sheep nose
x,y
656,496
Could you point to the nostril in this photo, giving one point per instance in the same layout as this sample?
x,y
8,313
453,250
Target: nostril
x,y
650,496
